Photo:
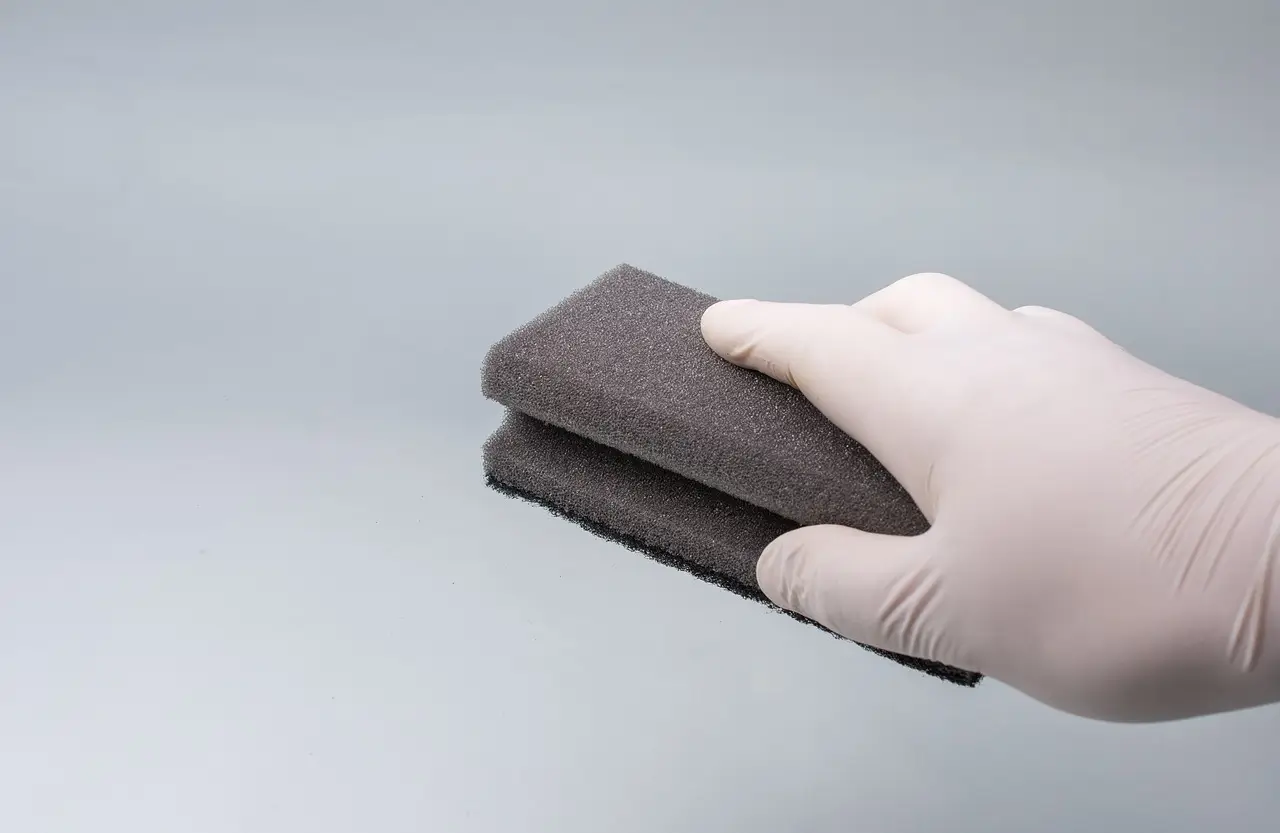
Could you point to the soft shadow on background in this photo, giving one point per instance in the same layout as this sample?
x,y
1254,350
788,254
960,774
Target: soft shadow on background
x,y
251,254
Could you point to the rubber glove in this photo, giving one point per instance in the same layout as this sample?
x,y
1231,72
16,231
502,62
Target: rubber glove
x,y
1104,536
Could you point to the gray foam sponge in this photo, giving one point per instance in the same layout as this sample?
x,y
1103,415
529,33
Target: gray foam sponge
x,y
656,509
621,418
622,362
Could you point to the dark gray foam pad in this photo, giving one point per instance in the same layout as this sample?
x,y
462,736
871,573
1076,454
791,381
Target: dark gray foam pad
x,y
623,362
647,412
667,517
714,531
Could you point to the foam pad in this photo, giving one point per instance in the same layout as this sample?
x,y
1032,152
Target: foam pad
x,y
622,362
621,418
720,537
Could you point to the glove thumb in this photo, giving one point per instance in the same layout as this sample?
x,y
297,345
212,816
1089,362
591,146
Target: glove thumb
x,y
883,591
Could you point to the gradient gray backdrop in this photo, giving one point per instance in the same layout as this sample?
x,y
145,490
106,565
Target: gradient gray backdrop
x,y
251,254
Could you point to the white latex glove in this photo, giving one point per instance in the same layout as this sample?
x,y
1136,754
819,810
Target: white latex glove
x,y
1104,537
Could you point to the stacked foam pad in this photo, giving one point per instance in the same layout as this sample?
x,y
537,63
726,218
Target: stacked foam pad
x,y
623,420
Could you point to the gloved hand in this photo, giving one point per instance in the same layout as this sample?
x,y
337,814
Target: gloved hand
x,y
1104,536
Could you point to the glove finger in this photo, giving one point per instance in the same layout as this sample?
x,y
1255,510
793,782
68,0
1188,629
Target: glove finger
x,y
879,590
928,301
786,341
1063,321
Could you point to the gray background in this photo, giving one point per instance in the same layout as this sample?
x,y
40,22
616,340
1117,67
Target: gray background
x,y
251,254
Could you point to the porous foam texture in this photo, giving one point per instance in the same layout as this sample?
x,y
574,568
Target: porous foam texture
x,y
622,419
